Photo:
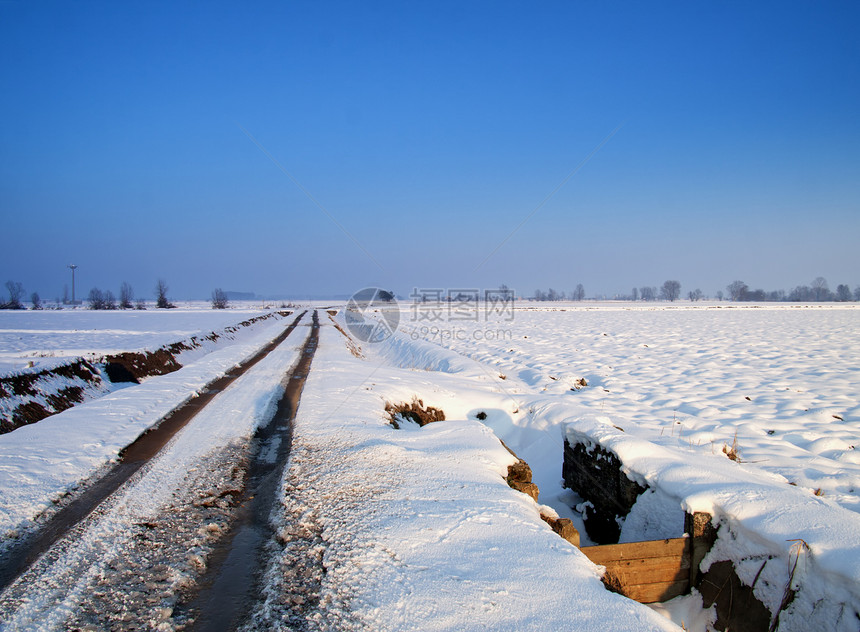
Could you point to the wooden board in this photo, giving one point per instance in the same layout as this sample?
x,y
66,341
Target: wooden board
x,y
657,570
657,593
673,547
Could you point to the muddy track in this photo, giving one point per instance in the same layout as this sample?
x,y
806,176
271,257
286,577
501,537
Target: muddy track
x,y
232,585
20,555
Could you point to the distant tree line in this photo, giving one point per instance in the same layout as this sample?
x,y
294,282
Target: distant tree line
x,y
818,291
98,299
577,294
669,291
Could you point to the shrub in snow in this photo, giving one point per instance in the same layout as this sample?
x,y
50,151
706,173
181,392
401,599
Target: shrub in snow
x,y
161,300
219,299
16,293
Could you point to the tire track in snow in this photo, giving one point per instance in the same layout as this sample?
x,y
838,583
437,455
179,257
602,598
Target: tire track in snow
x,y
233,585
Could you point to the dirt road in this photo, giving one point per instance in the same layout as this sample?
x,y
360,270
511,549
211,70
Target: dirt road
x,y
175,535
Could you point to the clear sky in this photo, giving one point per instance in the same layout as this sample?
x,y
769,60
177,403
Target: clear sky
x,y
139,140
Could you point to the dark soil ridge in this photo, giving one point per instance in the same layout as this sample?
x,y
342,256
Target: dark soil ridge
x,y
414,412
84,380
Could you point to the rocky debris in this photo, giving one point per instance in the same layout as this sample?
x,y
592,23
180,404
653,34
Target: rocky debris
x,y
563,527
520,478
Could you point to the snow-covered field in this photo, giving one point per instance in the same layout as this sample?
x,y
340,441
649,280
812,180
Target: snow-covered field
x,y
784,380
45,338
417,528
667,388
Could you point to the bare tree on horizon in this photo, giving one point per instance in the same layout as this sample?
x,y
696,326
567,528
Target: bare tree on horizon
x,y
820,289
161,300
671,290
219,299
126,296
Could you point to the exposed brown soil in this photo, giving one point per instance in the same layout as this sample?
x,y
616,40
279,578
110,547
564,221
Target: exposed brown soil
x,y
142,364
28,413
65,398
132,366
415,412
230,590
160,563
520,478
44,397
24,384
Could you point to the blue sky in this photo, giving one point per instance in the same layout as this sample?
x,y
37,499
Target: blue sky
x,y
428,131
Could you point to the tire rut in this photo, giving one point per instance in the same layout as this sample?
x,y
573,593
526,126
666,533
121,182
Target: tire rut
x,y
233,584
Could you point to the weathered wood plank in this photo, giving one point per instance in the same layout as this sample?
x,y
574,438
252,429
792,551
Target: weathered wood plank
x,y
682,561
647,572
649,575
653,593
636,550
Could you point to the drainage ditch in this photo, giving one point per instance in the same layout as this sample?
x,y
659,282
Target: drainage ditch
x,y
658,570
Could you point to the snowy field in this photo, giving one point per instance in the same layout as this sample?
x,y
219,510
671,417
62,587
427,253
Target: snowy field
x,y
417,528
46,338
784,380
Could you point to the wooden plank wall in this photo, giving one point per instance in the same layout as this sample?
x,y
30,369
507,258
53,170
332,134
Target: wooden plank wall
x,y
647,572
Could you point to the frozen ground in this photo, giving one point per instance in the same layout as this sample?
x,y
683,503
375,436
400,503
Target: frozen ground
x,y
667,388
416,528
104,576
